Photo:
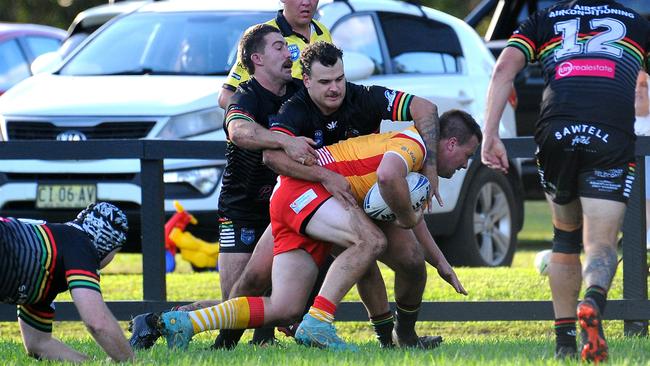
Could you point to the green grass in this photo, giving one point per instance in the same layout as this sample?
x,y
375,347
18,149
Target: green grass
x,y
467,343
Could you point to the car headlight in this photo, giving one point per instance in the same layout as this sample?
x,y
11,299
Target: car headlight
x,y
192,124
204,180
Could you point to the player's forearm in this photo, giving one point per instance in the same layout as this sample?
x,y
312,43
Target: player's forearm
x,y
395,191
432,253
500,88
425,118
278,161
498,93
112,340
251,136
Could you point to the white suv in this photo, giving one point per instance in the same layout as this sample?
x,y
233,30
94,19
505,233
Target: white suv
x,y
156,73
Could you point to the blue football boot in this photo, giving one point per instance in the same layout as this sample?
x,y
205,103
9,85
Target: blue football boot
x,y
315,333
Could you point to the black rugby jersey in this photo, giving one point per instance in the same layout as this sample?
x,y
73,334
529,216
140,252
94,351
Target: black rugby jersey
x,y
363,109
247,182
590,52
40,260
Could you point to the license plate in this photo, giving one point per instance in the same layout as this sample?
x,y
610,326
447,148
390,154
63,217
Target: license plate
x,y
65,195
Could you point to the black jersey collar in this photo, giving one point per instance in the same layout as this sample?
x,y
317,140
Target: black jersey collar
x,y
287,31
292,86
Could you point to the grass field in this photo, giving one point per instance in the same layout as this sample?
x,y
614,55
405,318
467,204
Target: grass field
x,y
466,343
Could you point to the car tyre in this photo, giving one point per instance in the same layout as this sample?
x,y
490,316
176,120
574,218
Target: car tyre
x,y
485,235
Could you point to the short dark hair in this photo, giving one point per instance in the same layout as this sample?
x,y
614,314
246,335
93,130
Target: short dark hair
x,y
253,42
459,124
325,53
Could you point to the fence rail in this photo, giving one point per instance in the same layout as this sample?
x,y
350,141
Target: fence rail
x,y
634,308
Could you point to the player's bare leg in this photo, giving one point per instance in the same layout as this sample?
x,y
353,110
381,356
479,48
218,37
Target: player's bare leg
x,y
565,274
602,222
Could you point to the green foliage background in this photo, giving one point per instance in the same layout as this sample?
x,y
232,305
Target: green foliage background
x,y
53,12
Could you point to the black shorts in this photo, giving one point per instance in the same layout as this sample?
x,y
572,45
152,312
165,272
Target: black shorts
x,y
591,160
238,236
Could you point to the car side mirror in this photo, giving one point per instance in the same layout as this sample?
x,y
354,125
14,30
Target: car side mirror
x,y
357,66
46,63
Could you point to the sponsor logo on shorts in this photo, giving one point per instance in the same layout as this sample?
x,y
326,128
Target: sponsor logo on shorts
x,y
581,133
247,235
586,67
581,140
294,50
609,173
390,96
302,201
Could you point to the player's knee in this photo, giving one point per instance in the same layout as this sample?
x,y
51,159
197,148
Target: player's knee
x,y
410,257
377,243
567,242
372,239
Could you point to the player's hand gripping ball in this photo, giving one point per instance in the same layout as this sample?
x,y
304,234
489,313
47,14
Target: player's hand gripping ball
x,y
375,206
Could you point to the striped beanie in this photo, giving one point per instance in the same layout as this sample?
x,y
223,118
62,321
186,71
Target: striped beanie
x,y
105,224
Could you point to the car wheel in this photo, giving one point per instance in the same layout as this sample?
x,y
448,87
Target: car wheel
x,y
485,234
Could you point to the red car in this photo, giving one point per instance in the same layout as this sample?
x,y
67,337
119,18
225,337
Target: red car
x,y
20,44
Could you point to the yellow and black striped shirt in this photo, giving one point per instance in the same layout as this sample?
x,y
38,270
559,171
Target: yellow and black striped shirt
x,y
295,42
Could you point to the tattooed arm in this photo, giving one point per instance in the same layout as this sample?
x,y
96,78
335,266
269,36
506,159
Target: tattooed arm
x,y
425,116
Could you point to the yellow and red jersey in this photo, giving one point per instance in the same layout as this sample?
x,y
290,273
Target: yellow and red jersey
x,y
357,159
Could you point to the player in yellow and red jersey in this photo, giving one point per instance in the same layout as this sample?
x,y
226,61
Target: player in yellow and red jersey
x,y
358,162
306,222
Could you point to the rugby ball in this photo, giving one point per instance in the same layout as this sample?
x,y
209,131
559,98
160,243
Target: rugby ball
x,y
542,260
375,206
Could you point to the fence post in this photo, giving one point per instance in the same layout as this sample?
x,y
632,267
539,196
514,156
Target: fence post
x,y
152,214
635,267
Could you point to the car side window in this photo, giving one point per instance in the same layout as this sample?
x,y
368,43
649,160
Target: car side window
x,y
41,45
428,47
359,34
13,65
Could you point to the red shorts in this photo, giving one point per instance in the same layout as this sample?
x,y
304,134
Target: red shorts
x,y
292,205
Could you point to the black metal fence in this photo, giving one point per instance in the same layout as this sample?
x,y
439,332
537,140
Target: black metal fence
x,y
634,308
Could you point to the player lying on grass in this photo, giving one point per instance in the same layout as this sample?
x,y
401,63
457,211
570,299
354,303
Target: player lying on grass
x,y
39,260
306,222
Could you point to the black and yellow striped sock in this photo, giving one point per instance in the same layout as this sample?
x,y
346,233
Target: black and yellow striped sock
x,y
383,325
405,318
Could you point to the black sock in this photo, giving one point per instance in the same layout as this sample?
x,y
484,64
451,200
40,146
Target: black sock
x,y
405,318
228,338
263,335
565,332
599,296
383,325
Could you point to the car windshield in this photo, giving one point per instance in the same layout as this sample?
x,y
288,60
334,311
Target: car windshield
x,y
183,43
